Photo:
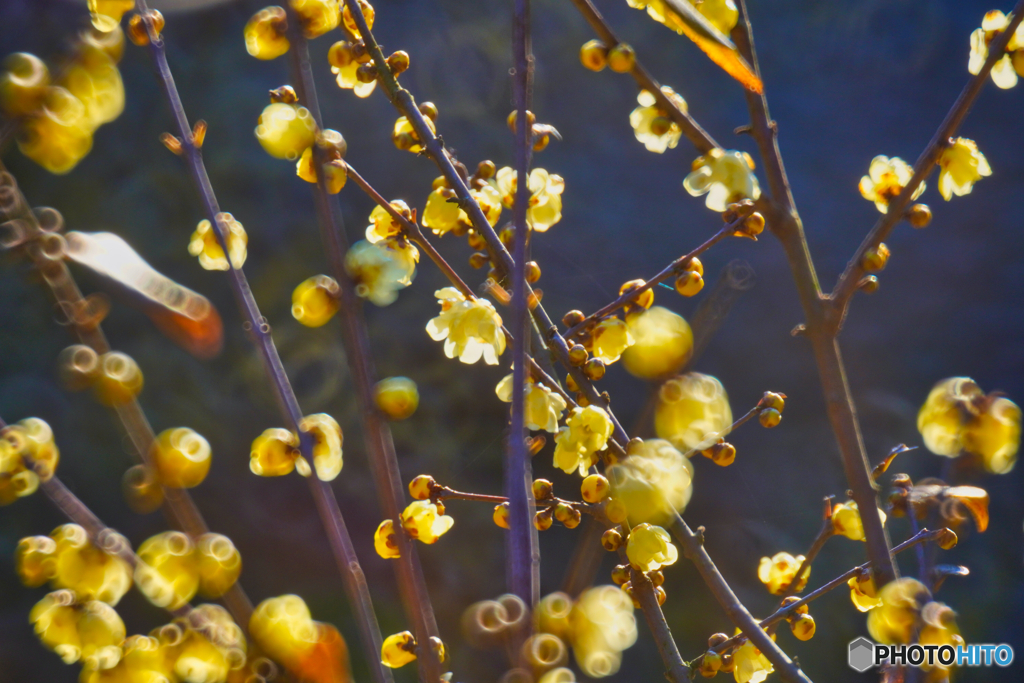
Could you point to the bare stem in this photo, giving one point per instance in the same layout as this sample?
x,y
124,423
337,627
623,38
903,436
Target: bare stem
x,y
334,524
826,532
786,225
379,442
675,668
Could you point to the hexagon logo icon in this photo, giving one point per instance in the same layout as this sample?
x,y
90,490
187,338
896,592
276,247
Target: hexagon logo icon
x,y
861,654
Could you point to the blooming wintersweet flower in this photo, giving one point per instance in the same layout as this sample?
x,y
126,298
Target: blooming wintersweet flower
x,y
382,225
663,342
1003,73
381,269
586,432
885,180
440,214
206,246
423,521
749,664
776,573
725,177
961,166
471,328
545,208
651,124
610,338
863,593
847,522
327,444
894,621
544,407
650,547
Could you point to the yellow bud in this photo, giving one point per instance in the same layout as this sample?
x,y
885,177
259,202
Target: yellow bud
x,y
119,381
35,560
182,457
274,453
219,563
398,650
803,626
168,573
315,301
265,34
285,130
595,488
501,515
621,58
420,487
397,397
594,55
384,541
611,539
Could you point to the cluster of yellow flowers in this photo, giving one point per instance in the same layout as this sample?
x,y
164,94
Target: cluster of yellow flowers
x,y
1010,65
778,572
726,177
586,432
276,452
205,243
470,328
545,203
174,568
959,418
30,438
114,377
57,119
443,214
692,411
906,608
381,269
543,407
423,519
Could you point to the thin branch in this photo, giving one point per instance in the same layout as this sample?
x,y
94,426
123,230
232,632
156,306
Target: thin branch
x,y
847,283
334,524
671,270
691,129
675,668
377,434
693,548
522,555
784,222
826,532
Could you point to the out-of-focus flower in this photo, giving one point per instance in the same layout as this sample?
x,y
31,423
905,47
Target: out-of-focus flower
x,y
894,620
725,177
610,338
847,522
470,328
206,245
586,432
382,225
423,521
169,571
662,343
285,130
1003,73
650,547
776,573
601,626
89,571
545,208
652,125
692,412
381,270
722,14
958,417
327,444
283,628
885,180
961,166
544,407
655,481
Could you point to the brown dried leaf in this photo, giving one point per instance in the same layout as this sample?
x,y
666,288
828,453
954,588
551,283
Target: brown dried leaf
x,y
683,18
975,500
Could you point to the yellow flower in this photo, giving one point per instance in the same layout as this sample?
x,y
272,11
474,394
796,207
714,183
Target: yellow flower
x,y
962,165
283,628
1003,74
317,16
543,407
471,328
441,215
722,14
692,412
220,564
545,207
58,135
662,343
938,628
285,130
265,34
725,177
655,481
396,397
327,444
168,573
749,664
885,180
382,225
380,270
405,137
93,77
958,417
610,338
863,593
650,547
601,625
652,126
423,521
894,620
84,568
274,453
182,457
776,573
347,80
398,650
586,431
106,14
56,623
315,300
384,540
847,522
206,245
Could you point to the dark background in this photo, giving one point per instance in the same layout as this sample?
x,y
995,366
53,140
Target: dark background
x,y
846,81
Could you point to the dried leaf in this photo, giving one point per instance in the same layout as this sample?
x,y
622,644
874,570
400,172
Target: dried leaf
x,y
683,18
975,500
881,467
188,318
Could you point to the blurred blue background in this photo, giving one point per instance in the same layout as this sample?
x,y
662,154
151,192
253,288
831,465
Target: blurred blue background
x,y
846,81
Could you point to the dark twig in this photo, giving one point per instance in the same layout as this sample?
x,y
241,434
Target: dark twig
x,y
826,532
334,524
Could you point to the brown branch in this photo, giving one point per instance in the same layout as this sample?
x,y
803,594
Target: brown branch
x,y
847,283
334,524
826,532
377,434
671,270
784,222
675,668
